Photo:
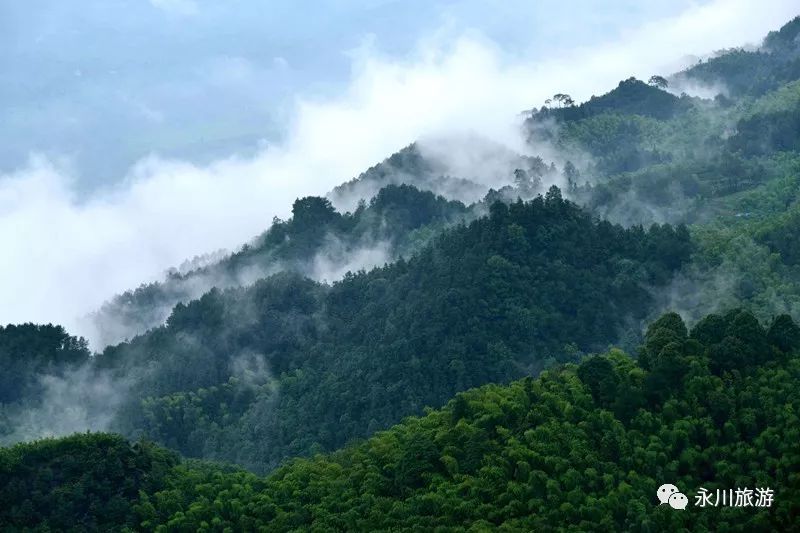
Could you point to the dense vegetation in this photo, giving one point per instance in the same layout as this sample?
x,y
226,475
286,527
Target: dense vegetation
x,y
530,284
274,362
408,166
317,241
29,350
754,72
582,446
727,167
78,483
630,97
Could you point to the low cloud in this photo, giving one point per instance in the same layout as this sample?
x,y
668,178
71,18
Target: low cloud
x,y
251,369
335,260
63,256
79,400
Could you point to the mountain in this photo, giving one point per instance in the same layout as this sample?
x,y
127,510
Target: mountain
x,y
741,72
79,483
289,366
411,166
631,97
413,179
275,357
28,350
583,446
317,241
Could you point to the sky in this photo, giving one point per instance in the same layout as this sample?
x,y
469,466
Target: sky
x,y
139,133
99,84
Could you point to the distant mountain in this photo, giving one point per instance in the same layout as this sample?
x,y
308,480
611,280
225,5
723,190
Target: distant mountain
x,y
631,97
408,166
289,366
366,236
642,155
741,72
366,241
317,241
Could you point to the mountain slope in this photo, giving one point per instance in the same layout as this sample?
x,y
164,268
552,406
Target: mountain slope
x,y
266,367
411,167
630,97
583,447
742,72
28,350
302,366
317,241
79,483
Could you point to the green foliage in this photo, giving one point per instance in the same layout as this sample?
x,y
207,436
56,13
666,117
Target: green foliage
x,y
395,220
619,143
631,97
754,72
552,451
773,124
782,238
783,333
259,372
582,447
488,302
29,350
79,483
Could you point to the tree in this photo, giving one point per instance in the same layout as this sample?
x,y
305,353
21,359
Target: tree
x,y
668,329
709,330
564,100
572,175
312,213
553,196
784,334
528,181
598,374
658,81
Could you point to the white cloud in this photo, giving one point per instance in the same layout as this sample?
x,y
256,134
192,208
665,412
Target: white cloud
x,y
63,257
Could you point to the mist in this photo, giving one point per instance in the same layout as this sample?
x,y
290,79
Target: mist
x,y
78,400
67,253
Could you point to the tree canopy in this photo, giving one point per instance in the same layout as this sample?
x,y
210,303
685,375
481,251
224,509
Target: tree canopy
x,y
584,446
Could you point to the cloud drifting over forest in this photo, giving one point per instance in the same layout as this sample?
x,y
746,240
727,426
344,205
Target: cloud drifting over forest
x,y
65,254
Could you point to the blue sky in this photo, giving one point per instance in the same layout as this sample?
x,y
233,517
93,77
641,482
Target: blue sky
x,y
139,133
99,84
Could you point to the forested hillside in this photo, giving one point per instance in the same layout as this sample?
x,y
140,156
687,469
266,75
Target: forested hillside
x,y
583,446
355,316
79,483
28,350
727,167
317,241
411,167
32,359
754,72
289,366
